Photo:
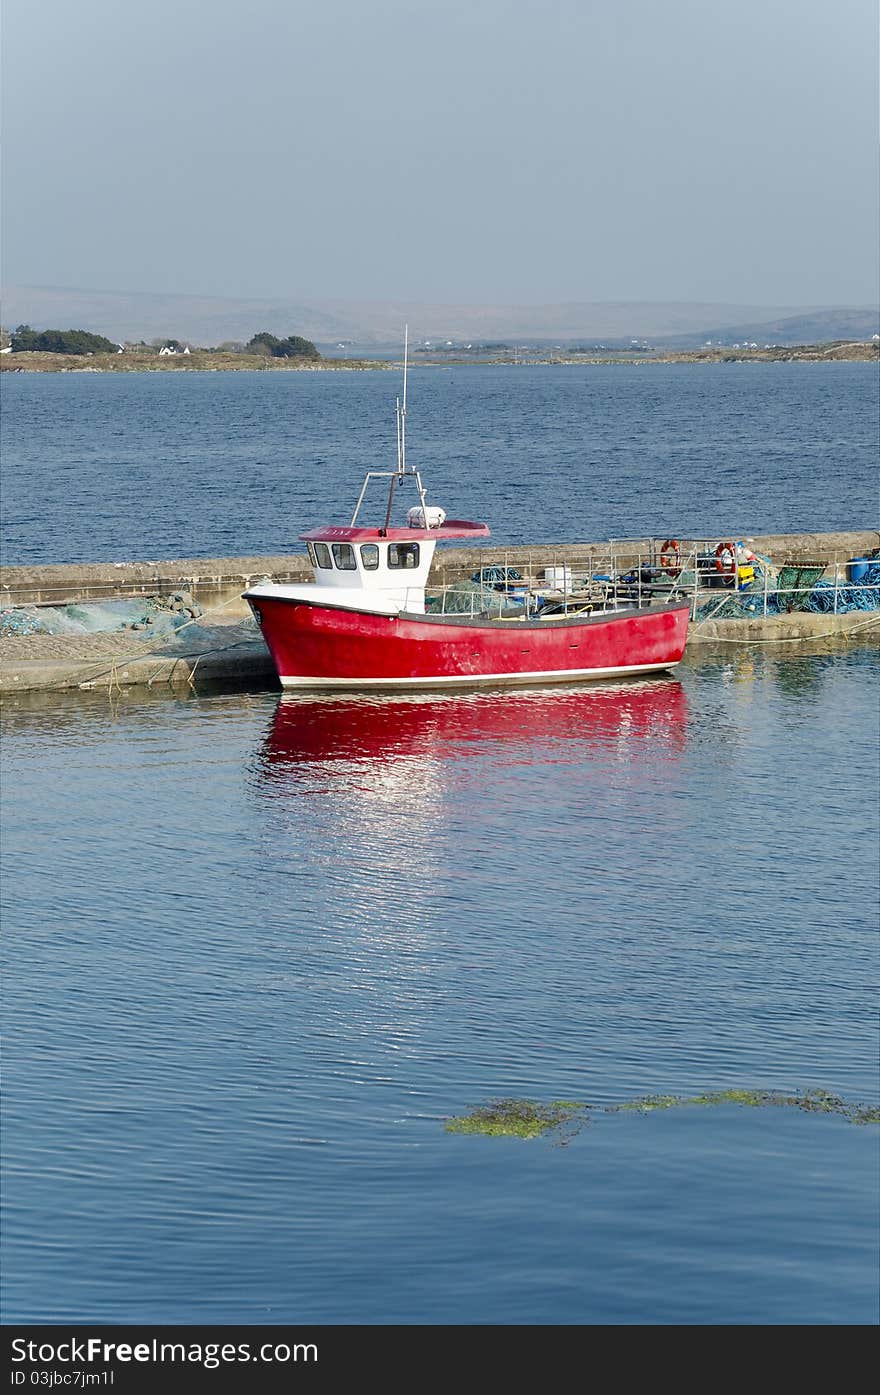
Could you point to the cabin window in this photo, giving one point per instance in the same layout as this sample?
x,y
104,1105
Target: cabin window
x,y
403,555
343,556
320,555
369,556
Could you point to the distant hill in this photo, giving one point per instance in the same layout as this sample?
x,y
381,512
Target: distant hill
x,y
809,327
212,320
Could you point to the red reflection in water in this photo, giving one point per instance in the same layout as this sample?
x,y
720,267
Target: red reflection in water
x,y
521,724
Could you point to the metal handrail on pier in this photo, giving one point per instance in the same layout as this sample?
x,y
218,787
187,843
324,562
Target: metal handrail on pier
x,y
639,572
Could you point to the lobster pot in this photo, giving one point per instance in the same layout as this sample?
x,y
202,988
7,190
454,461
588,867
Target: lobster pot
x,y
558,577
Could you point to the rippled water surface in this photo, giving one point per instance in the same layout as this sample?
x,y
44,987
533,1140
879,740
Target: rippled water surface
x,y
117,466
258,949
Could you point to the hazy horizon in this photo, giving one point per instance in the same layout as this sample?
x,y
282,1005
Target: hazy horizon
x,y
213,320
478,151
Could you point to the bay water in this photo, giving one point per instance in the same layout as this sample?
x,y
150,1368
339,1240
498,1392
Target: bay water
x,y
109,467
258,950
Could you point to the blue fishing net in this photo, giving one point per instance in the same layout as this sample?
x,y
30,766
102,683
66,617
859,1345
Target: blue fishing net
x,y
145,616
818,598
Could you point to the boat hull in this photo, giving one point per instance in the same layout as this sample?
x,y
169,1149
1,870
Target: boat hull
x,y
316,645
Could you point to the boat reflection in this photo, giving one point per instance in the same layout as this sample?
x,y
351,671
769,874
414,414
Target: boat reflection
x,y
338,735
360,791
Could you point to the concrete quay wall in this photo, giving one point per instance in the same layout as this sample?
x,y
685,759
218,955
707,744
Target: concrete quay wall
x,y
215,580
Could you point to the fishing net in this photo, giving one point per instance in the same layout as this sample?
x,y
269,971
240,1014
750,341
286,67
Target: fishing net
x,y
860,596
797,587
151,616
469,598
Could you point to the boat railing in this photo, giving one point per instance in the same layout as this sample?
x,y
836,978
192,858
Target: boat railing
x,y
452,601
725,578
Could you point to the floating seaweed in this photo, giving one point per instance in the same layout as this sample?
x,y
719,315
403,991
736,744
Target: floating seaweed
x,y
520,1118
812,1101
511,1118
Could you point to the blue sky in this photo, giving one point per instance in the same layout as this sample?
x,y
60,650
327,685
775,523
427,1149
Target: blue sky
x,y
469,150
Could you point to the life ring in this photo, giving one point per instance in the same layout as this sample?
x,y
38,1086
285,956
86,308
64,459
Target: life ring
x,y
725,559
670,557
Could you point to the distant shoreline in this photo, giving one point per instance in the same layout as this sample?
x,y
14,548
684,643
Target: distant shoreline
x,y
203,361
197,361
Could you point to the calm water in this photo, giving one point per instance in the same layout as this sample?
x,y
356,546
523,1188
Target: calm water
x,y
257,950
113,467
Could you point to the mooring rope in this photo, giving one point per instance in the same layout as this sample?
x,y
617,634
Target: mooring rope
x,y
145,649
800,639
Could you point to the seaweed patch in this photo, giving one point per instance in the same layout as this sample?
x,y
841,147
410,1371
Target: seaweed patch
x,y
522,1118
512,1118
811,1101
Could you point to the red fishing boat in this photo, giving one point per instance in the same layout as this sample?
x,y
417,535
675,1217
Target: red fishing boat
x,y
370,620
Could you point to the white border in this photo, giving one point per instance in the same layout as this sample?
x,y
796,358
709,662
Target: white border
x,y
559,675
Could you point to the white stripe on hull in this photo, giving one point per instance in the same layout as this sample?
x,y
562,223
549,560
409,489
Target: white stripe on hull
x,y
561,675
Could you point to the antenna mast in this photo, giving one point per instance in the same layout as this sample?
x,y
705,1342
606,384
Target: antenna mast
x,y
402,409
401,450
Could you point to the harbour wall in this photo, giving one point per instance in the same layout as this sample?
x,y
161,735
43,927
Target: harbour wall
x,y
216,580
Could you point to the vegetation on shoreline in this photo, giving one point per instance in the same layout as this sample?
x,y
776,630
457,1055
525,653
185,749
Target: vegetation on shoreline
x,y
521,1118
294,346
846,350
778,353
198,360
48,351
143,358
77,342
